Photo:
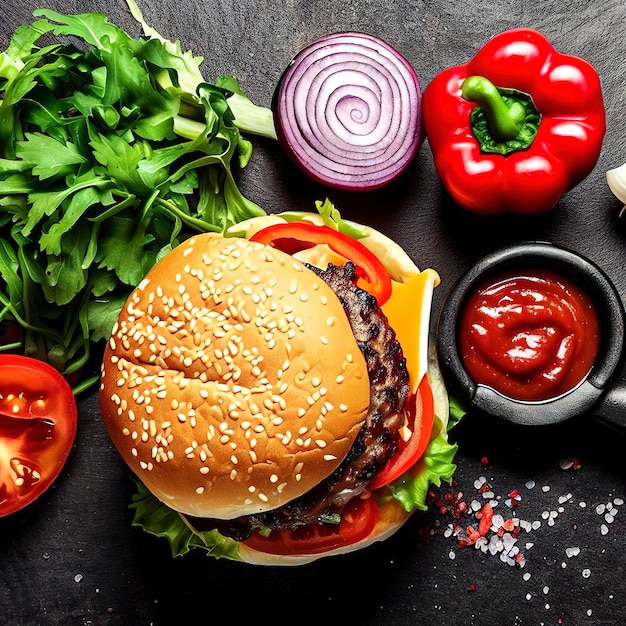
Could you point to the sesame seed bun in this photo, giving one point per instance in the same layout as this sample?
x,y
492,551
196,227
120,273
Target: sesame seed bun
x,y
232,382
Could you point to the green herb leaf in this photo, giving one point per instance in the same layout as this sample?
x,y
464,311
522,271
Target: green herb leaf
x,y
50,158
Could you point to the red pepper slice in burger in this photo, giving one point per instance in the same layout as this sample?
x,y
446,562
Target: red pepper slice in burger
x,y
358,520
292,237
420,413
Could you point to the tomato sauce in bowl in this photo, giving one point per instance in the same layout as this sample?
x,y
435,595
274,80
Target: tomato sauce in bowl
x,y
534,334
529,334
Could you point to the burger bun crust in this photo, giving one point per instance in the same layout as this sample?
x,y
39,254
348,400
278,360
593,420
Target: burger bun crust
x,y
232,382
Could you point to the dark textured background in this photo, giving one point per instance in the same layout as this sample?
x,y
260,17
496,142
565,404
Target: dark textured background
x,y
73,558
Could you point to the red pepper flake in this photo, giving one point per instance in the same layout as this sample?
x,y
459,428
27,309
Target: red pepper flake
x,y
472,587
484,460
577,463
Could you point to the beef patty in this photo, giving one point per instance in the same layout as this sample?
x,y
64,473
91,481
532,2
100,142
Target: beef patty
x,y
375,442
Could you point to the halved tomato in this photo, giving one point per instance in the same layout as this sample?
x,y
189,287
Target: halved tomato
x,y
358,520
420,414
38,416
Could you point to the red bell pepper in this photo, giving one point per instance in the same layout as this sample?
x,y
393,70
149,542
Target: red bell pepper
x,y
516,127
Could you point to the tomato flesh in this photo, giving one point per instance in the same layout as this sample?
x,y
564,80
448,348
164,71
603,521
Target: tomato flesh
x,y
420,413
292,237
358,520
38,417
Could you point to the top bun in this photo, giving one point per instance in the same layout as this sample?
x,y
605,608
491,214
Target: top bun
x,y
232,382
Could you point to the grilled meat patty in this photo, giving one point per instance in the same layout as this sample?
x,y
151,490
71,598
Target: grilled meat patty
x,y
376,440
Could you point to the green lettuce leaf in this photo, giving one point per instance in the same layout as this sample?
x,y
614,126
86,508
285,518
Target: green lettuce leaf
x,y
157,519
434,467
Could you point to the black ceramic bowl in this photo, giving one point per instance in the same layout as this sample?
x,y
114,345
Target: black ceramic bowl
x,y
585,396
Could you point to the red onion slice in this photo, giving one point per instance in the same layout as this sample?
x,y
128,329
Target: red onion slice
x,y
348,111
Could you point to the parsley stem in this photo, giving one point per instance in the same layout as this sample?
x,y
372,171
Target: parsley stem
x,y
188,129
195,223
47,332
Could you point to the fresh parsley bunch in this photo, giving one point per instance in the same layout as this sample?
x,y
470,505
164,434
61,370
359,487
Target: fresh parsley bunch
x,y
112,150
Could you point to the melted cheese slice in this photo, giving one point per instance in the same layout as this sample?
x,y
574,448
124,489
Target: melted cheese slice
x,y
408,310
320,256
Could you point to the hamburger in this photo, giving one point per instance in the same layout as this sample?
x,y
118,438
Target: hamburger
x,y
257,388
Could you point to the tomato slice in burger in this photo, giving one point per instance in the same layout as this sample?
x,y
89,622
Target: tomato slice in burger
x,y
292,237
420,414
38,417
358,520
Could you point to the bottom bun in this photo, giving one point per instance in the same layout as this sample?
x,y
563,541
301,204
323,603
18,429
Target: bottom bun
x,y
391,517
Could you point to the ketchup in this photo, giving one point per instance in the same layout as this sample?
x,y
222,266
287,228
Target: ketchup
x,y
531,335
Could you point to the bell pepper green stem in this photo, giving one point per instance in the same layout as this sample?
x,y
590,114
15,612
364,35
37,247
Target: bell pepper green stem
x,y
504,122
